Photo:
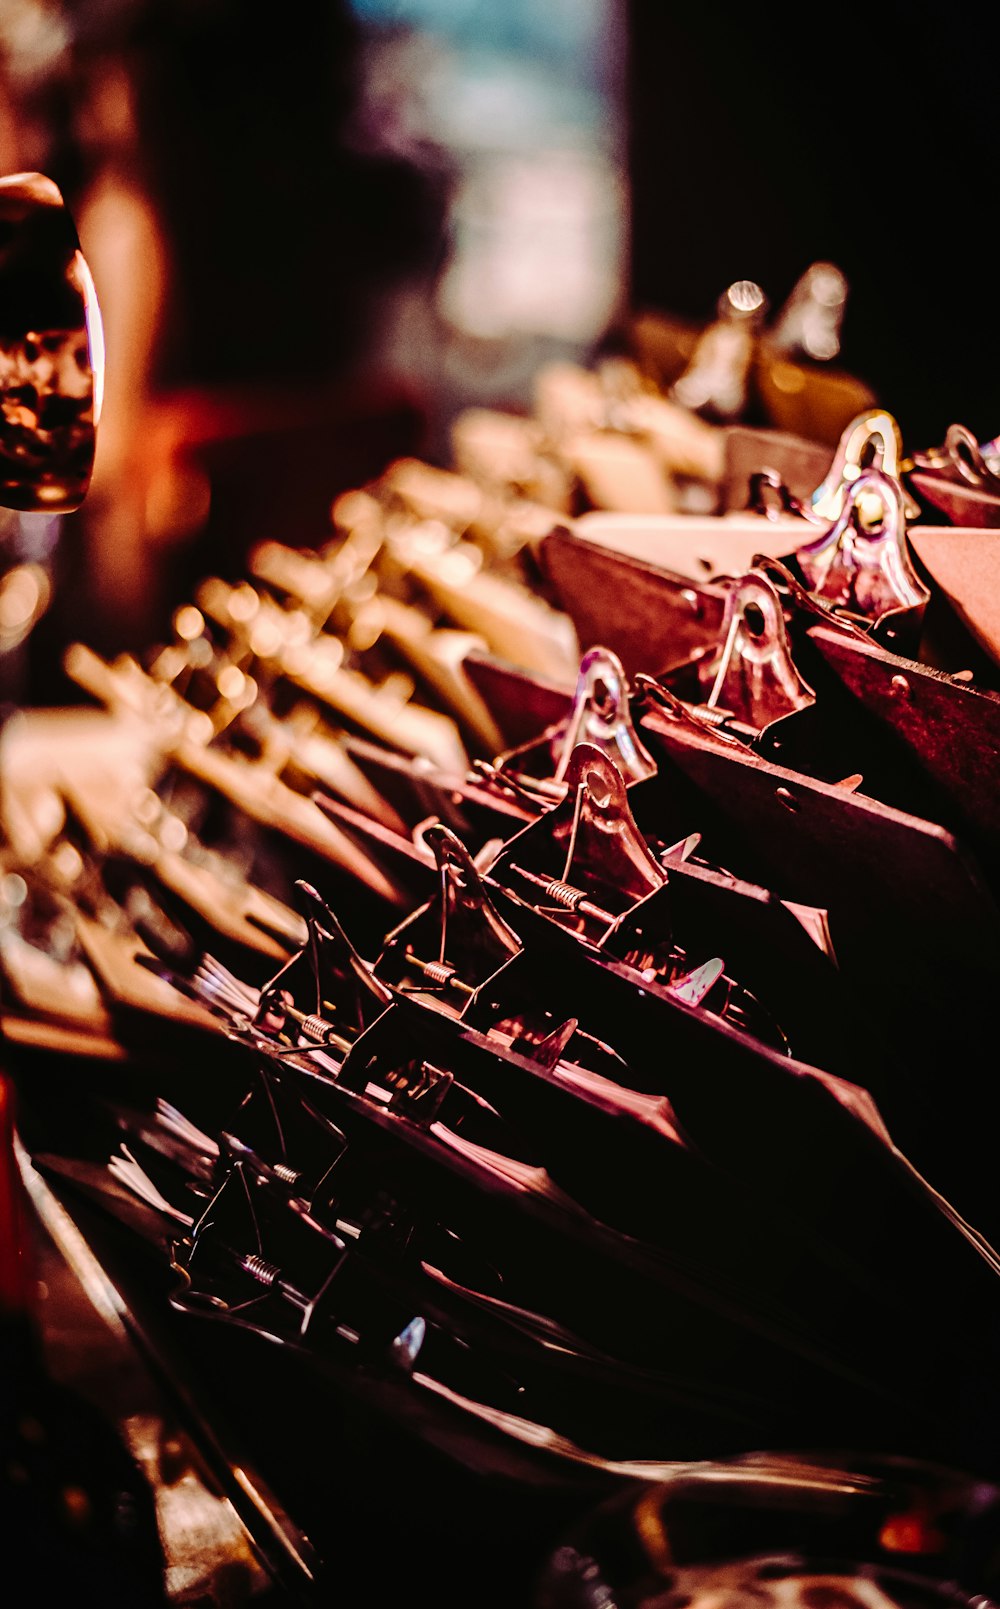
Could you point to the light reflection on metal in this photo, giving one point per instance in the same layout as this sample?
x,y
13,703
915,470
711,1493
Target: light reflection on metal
x,y
961,457
471,930
600,715
868,572
809,323
715,383
595,826
872,439
754,681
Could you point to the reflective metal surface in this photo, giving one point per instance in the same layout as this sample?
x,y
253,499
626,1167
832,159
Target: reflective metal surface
x,y
809,324
754,681
715,383
962,458
871,439
601,716
869,572
595,826
51,351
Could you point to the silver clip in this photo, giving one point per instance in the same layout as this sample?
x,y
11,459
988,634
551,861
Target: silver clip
x,y
464,901
868,572
333,966
597,826
874,429
462,926
601,717
754,681
961,457
716,382
810,322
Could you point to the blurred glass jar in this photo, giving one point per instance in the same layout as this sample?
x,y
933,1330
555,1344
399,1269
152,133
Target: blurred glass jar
x,y
51,382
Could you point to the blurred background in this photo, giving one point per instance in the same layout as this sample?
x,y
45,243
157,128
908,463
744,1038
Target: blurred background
x,y
318,231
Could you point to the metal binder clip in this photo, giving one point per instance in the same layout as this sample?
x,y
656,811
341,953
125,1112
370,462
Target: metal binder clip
x,y
289,1142
868,572
346,992
809,323
599,715
458,939
872,439
222,1276
627,915
594,829
715,383
753,682
342,996
961,478
738,687
961,457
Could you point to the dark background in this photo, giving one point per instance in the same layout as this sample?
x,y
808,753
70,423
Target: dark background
x,y
763,138
758,140
297,210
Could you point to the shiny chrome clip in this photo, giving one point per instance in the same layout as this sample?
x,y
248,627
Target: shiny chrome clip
x,y
716,382
346,993
599,715
615,894
753,681
961,478
225,1273
866,571
596,835
809,323
458,939
961,457
872,439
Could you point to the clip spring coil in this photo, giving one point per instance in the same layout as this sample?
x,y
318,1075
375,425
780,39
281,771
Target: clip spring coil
x,y
564,894
260,1269
316,1029
439,971
287,1175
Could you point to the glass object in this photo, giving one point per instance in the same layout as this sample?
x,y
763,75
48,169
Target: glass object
x,y
51,352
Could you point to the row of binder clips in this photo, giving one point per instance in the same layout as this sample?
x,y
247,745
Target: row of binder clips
x,y
688,990
553,954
